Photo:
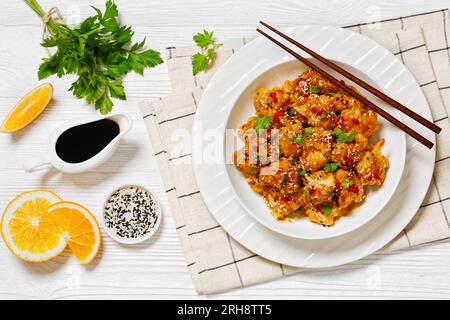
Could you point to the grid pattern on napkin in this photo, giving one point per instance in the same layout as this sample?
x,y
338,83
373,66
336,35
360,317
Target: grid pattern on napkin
x,y
215,260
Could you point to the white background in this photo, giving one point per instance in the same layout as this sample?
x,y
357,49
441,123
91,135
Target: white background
x,y
157,268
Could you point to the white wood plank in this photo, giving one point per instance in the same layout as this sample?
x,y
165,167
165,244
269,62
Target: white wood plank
x,y
157,269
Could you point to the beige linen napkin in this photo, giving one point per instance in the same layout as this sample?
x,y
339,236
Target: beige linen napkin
x,y
215,260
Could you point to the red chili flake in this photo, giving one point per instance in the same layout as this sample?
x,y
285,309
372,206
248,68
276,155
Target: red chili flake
x,y
336,121
312,190
318,209
316,111
342,81
348,160
284,199
273,95
353,188
277,115
306,95
338,185
355,122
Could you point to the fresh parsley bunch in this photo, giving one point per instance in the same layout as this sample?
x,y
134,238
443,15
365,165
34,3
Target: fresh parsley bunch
x,y
206,42
100,51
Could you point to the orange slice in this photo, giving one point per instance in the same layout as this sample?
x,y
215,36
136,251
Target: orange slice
x,y
28,108
80,227
27,229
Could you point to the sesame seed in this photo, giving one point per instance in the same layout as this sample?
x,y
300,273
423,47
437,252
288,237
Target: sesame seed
x,y
131,212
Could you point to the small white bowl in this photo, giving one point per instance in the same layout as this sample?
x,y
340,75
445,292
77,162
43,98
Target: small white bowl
x,y
119,239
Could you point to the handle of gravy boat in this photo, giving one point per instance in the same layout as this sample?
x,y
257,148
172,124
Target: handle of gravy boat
x,y
128,124
36,163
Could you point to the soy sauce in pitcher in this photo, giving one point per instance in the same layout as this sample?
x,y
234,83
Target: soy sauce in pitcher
x,y
82,142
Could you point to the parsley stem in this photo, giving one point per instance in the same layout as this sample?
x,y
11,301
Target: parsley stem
x,y
52,25
36,7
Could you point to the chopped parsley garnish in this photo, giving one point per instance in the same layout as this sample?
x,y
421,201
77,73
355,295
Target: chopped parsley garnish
x,y
301,172
299,138
331,167
251,171
347,183
307,194
330,93
341,137
292,112
323,115
326,209
314,89
308,130
262,123
282,178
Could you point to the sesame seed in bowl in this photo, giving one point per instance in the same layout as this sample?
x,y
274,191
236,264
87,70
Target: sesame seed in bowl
x,y
131,214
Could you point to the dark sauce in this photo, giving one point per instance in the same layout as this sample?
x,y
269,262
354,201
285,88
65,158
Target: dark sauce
x,y
81,143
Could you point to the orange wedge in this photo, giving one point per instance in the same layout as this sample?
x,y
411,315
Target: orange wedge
x,y
80,227
27,229
28,108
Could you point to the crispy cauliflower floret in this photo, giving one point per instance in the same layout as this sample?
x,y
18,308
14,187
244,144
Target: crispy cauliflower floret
x,y
373,166
319,186
347,154
358,120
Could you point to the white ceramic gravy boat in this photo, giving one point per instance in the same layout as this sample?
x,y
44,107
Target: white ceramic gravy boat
x,y
51,158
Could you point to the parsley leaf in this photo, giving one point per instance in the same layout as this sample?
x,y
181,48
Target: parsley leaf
x,y
204,39
299,138
251,171
117,90
347,183
282,178
331,167
104,103
301,172
326,209
207,43
99,51
262,123
199,62
308,131
147,59
341,137
314,89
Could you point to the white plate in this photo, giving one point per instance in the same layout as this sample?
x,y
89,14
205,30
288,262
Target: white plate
x,y
303,228
368,58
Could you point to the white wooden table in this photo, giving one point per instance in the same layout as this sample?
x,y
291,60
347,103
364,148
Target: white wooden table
x,y
157,269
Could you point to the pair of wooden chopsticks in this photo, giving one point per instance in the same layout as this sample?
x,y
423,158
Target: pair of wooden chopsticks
x,y
353,93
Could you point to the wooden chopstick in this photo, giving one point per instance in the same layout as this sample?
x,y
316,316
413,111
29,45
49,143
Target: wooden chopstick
x,y
410,113
353,93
